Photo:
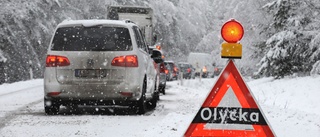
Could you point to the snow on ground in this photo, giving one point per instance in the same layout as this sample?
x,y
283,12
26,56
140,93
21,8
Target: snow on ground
x,y
15,96
301,94
22,85
290,105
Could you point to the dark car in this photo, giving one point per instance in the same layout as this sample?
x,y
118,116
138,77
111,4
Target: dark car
x,y
169,70
186,69
217,71
173,71
161,68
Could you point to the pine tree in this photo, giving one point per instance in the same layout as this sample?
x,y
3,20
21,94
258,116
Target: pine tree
x,y
287,49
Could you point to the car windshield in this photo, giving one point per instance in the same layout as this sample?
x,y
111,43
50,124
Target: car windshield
x,y
92,39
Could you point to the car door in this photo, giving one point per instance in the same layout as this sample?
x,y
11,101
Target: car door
x,y
147,60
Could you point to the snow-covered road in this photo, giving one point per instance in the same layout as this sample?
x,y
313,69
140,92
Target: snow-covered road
x,y
291,105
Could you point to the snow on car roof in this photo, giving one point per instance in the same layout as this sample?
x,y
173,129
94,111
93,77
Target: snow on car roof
x,y
198,53
170,61
183,63
89,23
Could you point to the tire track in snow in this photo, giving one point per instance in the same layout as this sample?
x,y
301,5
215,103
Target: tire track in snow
x,y
2,95
13,114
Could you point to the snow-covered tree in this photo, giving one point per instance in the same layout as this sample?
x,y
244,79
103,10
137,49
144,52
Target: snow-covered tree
x,y
287,49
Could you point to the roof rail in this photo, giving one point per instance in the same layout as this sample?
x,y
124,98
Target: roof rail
x,y
129,21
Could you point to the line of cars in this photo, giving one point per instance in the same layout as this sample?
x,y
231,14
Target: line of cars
x,y
100,62
181,68
105,62
175,70
188,71
108,63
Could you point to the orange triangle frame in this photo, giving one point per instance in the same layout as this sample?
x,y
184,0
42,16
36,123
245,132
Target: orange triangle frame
x,y
230,77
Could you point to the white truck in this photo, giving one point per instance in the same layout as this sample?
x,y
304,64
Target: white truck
x,y
203,64
142,16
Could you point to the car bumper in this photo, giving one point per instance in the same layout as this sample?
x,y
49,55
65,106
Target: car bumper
x,y
122,91
90,102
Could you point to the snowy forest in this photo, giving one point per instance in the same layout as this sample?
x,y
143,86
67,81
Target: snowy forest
x,y
281,36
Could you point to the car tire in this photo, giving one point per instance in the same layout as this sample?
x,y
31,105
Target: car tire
x,y
158,97
51,109
163,90
153,102
142,104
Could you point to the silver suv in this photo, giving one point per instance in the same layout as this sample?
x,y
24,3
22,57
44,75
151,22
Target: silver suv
x,y
99,62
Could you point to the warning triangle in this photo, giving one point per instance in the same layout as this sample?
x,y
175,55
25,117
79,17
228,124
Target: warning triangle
x,y
229,99
229,110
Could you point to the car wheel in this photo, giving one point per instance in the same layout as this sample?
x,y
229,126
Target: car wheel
x,y
158,96
51,107
157,92
142,107
163,90
153,102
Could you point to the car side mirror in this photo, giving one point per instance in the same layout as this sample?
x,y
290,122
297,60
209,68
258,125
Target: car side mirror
x,y
157,56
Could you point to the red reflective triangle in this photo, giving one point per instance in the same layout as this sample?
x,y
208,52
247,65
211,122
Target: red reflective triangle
x,y
230,77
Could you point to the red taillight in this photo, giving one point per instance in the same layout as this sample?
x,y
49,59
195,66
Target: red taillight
x,y
55,61
175,69
163,68
158,47
53,93
189,70
125,61
166,71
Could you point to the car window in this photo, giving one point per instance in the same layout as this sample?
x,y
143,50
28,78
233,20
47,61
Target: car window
x,y
140,39
143,41
92,39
